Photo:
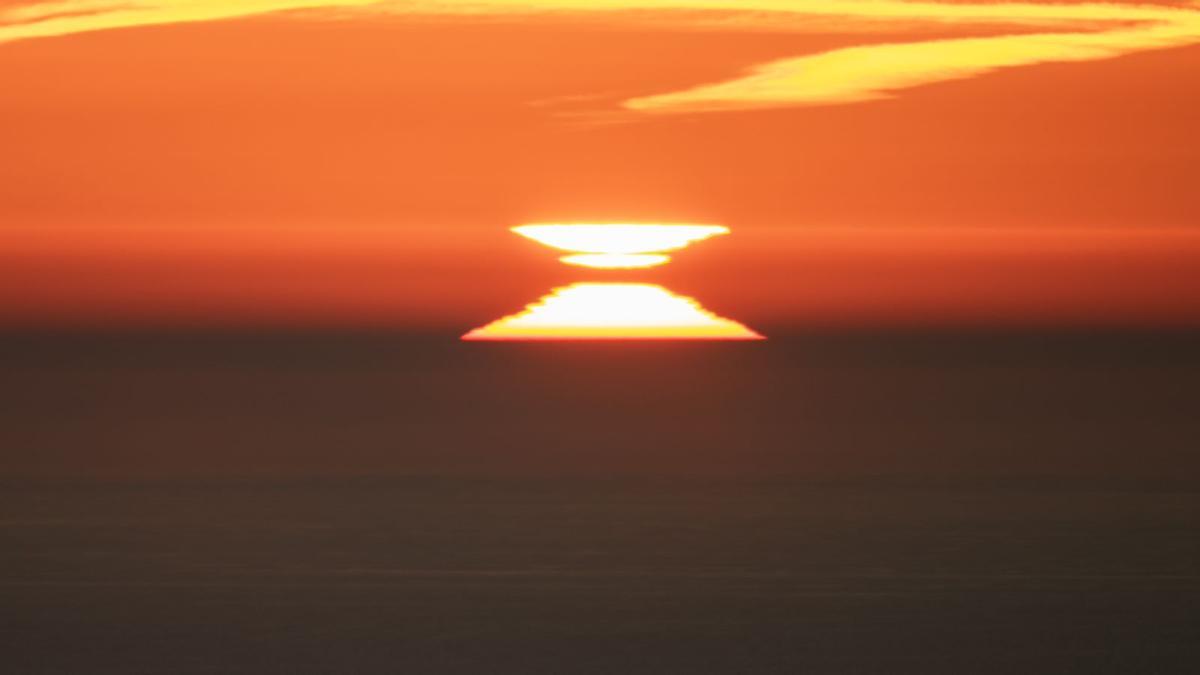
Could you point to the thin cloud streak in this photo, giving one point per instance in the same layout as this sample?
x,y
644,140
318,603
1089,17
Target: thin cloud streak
x,y
1081,32
69,17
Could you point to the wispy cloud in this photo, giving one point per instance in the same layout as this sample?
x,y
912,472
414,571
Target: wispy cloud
x,y
1072,33
875,71
872,72
67,17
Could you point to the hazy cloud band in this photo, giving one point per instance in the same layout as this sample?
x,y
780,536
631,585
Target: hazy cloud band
x,y
1077,32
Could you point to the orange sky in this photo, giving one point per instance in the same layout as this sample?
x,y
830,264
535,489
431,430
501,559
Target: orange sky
x,y
361,168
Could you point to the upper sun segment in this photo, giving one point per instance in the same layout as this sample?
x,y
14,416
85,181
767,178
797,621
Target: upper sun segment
x,y
618,238
617,245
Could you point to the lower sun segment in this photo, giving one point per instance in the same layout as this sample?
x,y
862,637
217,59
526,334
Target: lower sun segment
x,y
615,311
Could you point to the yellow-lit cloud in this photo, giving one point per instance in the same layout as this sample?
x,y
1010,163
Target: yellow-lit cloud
x,y
1072,32
877,71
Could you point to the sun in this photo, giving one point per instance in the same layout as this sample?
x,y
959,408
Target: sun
x,y
617,261
591,311
617,245
615,311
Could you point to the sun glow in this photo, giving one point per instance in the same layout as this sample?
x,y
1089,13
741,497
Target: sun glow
x,y
600,311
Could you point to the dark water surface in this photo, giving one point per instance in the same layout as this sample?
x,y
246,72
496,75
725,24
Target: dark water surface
x,y
1077,406
611,576
179,504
